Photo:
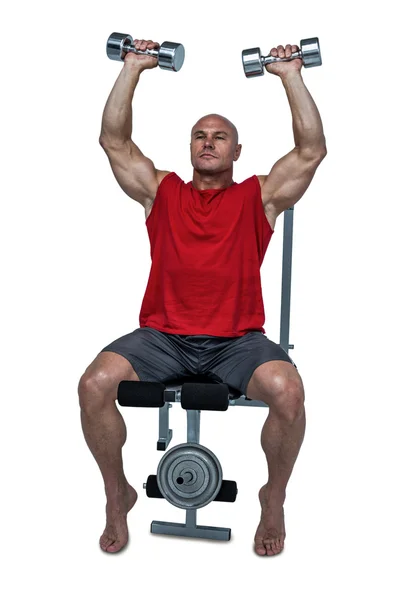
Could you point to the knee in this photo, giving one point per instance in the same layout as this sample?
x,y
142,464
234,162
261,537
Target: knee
x,y
288,398
94,391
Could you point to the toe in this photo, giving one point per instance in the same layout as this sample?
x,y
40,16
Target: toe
x,y
276,547
106,541
269,548
113,544
117,546
259,547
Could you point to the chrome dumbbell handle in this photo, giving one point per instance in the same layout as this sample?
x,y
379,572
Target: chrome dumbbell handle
x,y
266,60
128,48
170,56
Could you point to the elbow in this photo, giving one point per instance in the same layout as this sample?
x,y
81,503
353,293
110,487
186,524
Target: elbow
x,y
323,148
316,154
319,149
103,142
112,142
320,153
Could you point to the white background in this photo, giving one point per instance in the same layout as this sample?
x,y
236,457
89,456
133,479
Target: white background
x,y
75,266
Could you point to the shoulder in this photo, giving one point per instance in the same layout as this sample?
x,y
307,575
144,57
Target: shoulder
x,y
166,180
255,181
258,182
164,176
161,175
261,179
167,184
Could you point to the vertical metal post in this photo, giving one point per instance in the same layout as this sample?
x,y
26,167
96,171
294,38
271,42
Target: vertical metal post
x,y
286,279
191,518
193,426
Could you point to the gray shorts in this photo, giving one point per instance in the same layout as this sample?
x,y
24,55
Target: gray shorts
x,y
159,356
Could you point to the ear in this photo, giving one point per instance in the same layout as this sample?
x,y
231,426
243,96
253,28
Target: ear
x,y
238,150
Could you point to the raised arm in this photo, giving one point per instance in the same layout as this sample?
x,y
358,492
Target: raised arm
x,y
292,174
135,173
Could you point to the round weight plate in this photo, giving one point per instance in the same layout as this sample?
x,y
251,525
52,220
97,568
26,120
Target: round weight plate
x,y
115,44
171,56
252,64
189,476
311,52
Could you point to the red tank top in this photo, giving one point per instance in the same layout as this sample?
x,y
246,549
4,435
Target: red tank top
x,y
207,248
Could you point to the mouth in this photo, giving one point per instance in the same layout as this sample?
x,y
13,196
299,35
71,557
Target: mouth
x,y
208,155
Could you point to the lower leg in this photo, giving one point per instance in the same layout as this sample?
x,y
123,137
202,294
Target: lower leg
x,y
105,433
281,440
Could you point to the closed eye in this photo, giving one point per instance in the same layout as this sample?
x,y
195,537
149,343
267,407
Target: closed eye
x,y
217,137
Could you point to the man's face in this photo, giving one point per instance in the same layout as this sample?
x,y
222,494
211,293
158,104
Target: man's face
x,y
213,146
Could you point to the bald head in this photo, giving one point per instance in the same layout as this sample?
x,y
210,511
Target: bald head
x,y
214,147
217,121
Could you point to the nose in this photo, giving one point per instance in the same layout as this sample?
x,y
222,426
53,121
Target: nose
x,y
208,143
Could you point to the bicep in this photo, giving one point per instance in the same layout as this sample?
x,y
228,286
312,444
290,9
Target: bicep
x,y
288,180
134,172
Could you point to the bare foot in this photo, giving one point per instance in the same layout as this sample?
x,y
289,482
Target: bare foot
x,y
115,535
270,535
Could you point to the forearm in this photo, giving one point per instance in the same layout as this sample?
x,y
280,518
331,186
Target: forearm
x,y
307,125
116,123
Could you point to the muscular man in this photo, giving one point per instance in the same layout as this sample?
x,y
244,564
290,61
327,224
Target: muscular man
x,y
203,311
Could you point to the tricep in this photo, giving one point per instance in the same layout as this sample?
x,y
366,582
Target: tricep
x,y
134,172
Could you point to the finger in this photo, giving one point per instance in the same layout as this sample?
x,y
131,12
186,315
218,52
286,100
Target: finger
x,y
143,45
274,52
288,50
295,48
281,51
152,44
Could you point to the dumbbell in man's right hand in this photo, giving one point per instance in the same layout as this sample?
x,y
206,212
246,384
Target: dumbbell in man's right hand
x,y
142,61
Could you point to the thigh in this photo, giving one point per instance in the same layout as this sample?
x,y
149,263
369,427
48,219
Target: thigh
x,y
237,361
154,355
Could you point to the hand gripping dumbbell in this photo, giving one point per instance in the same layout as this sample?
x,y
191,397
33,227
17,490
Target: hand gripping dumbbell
x,y
170,56
253,62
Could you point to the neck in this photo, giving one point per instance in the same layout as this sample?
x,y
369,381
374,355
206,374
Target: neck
x,y
206,181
